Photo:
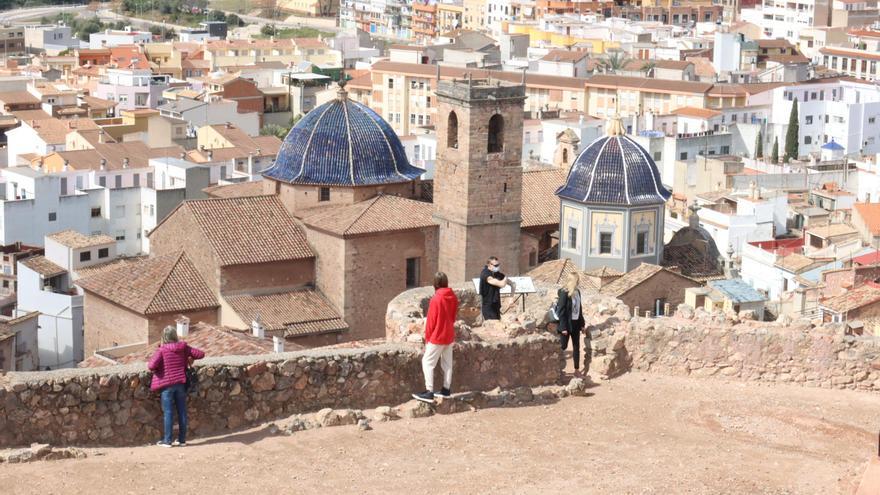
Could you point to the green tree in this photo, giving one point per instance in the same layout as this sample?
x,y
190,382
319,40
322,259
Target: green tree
x,y
296,118
774,155
759,145
274,130
614,61
791,136
217,15
268,30
234,21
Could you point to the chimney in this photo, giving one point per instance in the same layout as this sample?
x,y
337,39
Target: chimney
x,y
257,328
70,124
202,147
278,344
66,164
754,192
101,136
229,125
182,326
182,155
210,154
125,162
103,164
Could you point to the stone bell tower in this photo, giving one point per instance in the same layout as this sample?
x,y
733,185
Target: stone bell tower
x,y
478,176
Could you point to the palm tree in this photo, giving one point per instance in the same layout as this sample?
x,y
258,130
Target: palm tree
x,y
648,68
614,62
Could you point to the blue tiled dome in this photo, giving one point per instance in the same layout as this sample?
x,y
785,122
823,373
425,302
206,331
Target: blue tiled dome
x,y
614,170
343,143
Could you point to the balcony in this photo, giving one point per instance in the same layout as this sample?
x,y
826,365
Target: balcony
x,y
420,7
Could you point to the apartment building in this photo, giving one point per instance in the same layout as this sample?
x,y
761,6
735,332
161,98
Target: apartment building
x,y
12,40
403,93
132,88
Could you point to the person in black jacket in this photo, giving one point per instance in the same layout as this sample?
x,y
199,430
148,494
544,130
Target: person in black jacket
x,y
571,318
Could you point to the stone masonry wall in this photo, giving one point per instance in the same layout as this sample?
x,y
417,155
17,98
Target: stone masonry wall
x,y
114,405
698,344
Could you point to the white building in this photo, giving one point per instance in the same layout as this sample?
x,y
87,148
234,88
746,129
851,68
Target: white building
x,y
110,38
787,19
198,113
839,109
132,88
124,213
52,39
498,11
735,219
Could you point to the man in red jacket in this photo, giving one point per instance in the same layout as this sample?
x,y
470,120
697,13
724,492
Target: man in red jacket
x,y
439,338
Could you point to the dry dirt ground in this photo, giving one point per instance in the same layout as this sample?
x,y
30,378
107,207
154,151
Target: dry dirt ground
x,y
637,434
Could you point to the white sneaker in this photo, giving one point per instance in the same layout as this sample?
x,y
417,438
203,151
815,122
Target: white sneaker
x,y
160,443
177,443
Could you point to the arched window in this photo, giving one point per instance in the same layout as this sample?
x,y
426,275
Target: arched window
x,y
565,156
452,131
496,134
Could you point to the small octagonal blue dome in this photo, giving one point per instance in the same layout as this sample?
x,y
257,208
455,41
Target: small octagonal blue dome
x,y
614,170
344,143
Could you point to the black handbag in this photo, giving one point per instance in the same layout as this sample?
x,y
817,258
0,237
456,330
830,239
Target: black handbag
x,y
192,379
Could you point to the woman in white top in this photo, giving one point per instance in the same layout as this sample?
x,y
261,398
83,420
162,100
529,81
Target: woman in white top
x,y
571,318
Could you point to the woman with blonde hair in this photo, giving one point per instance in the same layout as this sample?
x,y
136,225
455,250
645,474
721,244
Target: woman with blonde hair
x,y
169,365
571,318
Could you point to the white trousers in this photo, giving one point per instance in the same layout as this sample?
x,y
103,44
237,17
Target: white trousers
x,y
434,353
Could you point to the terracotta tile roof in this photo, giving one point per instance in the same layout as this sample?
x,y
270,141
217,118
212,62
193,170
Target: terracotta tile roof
x,y
690,261
292,314
727,90
74,240
633,278
565,55
554,272
241,144
18,98
532,80
29,115
862,32
54,131
88,271
96,103
702,113
364,81
43,266
853,299
870,215
798,263
382,213
859,54
702,66
643,83
540,205
164,284
864,260
253,229
832,230
137,153
309,43
774,43
237,190
604,271
636,65
213,341
789,59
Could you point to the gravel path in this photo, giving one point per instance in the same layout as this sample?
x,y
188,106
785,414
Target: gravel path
x,y
637,434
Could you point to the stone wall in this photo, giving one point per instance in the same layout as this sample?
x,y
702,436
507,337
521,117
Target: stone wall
x,y
697,344
114,405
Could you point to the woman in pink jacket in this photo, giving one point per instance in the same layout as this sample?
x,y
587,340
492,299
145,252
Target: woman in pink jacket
x,y
168,365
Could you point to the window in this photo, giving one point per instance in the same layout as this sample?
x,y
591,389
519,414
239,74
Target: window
x,y
137,180
149,179
390,83
641,243
117,180
809,119
605,243
102,181
103,252
120,235
6,284
85,256
496,134
452,131
53,216
808,139
657,156
572,237
412,272
683,155
412,119
871,120
324,194
725,150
